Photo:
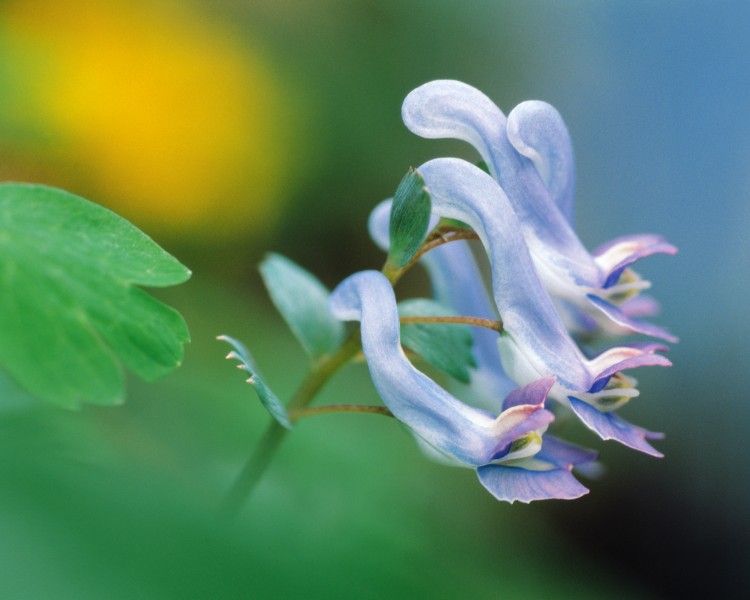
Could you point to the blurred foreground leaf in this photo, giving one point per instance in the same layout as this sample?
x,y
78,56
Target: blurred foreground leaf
x,y
70,311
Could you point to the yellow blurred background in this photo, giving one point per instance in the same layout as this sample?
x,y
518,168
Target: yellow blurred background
x,y
169,116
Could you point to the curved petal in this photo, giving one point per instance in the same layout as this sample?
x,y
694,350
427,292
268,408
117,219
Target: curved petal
x,y
623,358
461,191
471,435
537,131
564,455
512,484
517,422
628,324
611,427
533,393
453,109
615,256
457,282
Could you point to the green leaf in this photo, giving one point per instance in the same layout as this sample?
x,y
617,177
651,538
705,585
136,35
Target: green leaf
x,y
453,223
70,312
484,166
446,347
302,300
410,219
267,398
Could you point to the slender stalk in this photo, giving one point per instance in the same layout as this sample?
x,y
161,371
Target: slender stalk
x,y
443,236
252,470
258,461
473,321
334,408
439,237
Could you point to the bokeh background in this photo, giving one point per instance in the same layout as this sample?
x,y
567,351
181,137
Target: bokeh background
x,y
229,128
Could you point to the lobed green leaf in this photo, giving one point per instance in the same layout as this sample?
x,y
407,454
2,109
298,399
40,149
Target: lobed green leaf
x,y
70,312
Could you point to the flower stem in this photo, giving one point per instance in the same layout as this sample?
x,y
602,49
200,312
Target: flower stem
x,y
333,408
493,324
258,461
438,237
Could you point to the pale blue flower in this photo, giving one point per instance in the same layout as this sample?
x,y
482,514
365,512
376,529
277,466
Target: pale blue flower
x,y
506,449
535,342
531,157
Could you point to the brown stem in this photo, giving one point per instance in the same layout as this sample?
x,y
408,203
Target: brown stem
x,y
437,238
442,236
473,321
333,408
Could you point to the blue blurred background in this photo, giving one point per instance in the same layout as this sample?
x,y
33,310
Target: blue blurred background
x,y
225,129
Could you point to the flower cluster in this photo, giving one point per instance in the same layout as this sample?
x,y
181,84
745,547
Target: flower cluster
x,y
549,292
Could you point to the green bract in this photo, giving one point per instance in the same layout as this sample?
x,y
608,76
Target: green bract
x,y
267,397
445,346
410,219
303,302
70,311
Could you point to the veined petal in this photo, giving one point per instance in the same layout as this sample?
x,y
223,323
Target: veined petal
x,y
628,324
611,388
564,454
537,131
517,422
618,254
512,484
623,358
461,191
611,427
534,393
469,434
452,109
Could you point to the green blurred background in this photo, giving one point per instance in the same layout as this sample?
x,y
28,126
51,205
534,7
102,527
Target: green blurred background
x,y
229,128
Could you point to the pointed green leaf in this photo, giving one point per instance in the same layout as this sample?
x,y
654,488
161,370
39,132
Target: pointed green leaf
x,y
302,300
446,347
70,311
484,166
267,398
410,218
